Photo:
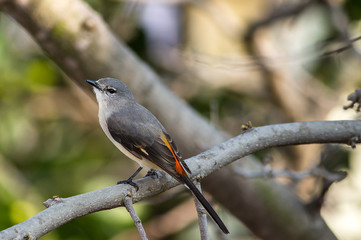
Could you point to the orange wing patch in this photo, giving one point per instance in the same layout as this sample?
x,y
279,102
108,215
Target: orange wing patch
x,y
178,167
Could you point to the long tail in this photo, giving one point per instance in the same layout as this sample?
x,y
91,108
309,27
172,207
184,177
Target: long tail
x,y
205,203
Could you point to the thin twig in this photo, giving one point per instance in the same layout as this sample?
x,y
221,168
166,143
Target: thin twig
x,y
128,203
279,13
244,64
202,216
341,49
341,23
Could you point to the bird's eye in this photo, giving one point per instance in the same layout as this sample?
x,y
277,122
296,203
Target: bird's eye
x,y
111,90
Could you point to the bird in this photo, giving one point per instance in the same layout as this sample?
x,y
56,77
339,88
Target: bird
x,y
136,132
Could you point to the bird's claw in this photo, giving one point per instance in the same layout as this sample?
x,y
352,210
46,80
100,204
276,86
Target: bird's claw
x,y
129,182
152,173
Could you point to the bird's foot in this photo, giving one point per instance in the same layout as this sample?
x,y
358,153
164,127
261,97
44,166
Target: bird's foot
x,y
130,182
152,173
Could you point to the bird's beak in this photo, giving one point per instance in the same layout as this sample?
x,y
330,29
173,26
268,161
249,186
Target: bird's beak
x,y
94,84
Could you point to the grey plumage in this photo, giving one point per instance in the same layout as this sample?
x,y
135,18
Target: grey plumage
x,y
139,135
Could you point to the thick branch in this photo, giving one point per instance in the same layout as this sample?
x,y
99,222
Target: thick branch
x,y
66,209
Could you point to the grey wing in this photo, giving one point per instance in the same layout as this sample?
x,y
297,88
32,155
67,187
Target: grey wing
x,y
140,133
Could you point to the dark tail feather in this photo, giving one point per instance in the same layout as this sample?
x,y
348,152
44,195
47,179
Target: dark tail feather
x,y
205,203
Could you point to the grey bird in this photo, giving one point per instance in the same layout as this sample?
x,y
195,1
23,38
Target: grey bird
x,y
136,132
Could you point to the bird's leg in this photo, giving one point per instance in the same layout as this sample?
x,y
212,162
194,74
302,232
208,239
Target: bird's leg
x,y
153,173
130,179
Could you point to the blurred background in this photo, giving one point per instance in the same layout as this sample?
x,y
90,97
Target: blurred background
x,y
234,61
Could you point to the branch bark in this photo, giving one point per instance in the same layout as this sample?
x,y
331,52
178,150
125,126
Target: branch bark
x,y
202,215
128,204
76,38
298,225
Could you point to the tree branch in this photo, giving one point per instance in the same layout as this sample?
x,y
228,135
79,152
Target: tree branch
x,y
128,204
295,176
202,216
65,209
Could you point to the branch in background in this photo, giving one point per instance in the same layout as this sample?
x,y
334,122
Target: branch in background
x,y
244,64
128,204
341,22
280,13
341,49
268,172
315,205
85,48
319,172
285,11
66,209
